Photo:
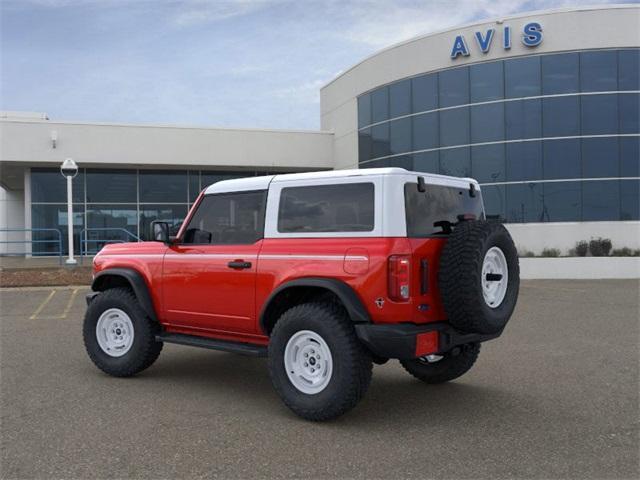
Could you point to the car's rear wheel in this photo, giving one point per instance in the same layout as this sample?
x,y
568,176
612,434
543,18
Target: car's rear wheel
x,y
317,365
443,368
118,335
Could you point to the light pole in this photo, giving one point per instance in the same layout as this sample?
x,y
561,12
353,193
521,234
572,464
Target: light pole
x,y
69,170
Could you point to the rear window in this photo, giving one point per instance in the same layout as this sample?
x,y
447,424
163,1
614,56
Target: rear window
x,y
346,207
438,203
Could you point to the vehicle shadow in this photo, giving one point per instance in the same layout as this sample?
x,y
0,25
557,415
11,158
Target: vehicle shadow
x,y
394,397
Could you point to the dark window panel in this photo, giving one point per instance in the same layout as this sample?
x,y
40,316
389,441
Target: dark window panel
x,y
493,197
327,208
599,71
383,163
194,185
110,224
454,127
600,157
424,93
400,135
487,123
48,185
173,214
599,114
630,156
560,73
487,82
163,186
380,105
629,69
522,77
454,87
601,200
524,161
402,161
630,200
400,99
111,186
562,159
54,217
380,140
425,131
428,162
523,119
629,112
364,110
455,162
524,203
487,163
561,116
365,145
562,201
228,219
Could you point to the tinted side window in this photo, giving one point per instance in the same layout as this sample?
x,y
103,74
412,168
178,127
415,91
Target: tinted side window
x,y
225,219
327,208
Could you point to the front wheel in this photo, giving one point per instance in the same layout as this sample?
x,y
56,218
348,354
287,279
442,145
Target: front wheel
x,y
443,368
118,334
317,365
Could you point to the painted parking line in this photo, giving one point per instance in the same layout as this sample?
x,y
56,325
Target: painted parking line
x,y
42,305
36,315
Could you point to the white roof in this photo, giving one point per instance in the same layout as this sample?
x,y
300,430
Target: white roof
x,y
262,183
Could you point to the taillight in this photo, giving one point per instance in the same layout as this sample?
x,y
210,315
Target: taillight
x,y
399,268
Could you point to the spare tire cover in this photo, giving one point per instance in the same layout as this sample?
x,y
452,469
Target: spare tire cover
x,y
479,277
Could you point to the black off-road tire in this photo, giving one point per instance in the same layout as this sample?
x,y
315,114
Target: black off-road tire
x,y
352,364
144,349
448,368
460,277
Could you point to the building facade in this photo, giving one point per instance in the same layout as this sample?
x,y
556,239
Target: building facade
x,y
542,109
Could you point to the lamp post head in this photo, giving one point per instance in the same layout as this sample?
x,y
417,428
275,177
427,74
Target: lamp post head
x,y
69,168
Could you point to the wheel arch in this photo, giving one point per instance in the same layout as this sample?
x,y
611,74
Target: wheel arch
x,y
295,292
126,277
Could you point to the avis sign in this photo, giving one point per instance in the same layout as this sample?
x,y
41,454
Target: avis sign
x,y
531,37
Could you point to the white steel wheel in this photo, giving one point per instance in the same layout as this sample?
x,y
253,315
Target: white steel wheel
x,y
308,362
495,277
114,332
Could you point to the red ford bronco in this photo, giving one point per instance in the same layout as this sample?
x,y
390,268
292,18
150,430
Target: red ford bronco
x,y
323,273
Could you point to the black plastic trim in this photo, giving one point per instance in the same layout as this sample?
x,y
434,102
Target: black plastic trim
x,y
214,344
399,340
134,279
344,292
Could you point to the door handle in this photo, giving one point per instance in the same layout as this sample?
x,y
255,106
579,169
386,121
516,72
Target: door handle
x,y
239,264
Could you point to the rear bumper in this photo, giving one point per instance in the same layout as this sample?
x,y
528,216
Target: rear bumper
x,y
399,340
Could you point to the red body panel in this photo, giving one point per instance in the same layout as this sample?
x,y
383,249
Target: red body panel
x,y
195,292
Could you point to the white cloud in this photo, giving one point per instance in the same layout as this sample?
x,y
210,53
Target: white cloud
x,y
193,12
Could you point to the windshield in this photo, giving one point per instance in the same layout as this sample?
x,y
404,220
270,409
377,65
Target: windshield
x,y
438,204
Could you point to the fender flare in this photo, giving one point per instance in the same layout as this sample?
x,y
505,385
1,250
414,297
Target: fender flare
x,y
135,280
352,303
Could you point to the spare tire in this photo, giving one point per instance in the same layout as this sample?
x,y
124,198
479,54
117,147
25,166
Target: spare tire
x,y
479,277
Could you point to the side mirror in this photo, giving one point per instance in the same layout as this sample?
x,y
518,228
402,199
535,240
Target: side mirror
x,y
160,231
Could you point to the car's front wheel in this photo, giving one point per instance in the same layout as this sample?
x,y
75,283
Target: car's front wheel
x,y
317,365
118,335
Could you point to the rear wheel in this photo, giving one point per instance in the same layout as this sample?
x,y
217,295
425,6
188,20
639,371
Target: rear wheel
x,y
317,365
443,368
118,335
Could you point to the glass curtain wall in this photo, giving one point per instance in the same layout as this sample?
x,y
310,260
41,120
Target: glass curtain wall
x,y
551,138
114,205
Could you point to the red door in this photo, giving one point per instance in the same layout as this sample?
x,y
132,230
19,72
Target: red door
x,y
211,287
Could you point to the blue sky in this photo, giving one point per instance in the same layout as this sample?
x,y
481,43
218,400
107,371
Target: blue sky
x,y
229,63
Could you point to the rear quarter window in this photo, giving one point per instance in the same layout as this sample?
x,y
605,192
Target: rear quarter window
x,y
347,207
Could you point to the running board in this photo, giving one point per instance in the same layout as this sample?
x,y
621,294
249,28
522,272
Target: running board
x,y
214,344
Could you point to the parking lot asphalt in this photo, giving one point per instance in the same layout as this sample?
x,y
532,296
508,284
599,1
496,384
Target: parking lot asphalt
x,y
555,397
